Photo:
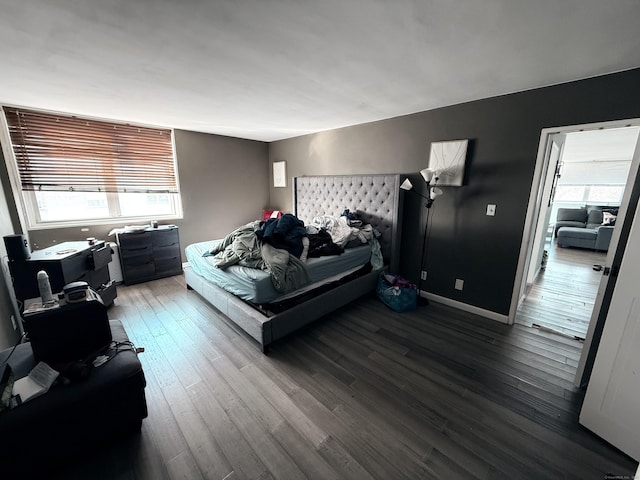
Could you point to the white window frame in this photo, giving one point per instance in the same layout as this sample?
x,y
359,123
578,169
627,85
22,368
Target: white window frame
x,y
26,202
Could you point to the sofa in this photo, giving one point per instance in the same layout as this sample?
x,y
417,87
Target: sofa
x,y
75,418
585,227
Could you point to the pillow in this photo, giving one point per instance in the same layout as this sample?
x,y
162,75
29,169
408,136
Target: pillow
x,y
594,216
608,219
267,214
572,215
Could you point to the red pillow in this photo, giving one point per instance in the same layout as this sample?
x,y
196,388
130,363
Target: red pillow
x,y
267,214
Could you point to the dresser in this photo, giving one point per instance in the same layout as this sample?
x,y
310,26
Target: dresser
x,y
150,253
65,263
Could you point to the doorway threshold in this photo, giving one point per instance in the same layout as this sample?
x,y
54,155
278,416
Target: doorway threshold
x,y
557,332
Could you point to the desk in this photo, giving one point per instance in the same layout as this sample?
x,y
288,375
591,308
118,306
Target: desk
x,y
65,263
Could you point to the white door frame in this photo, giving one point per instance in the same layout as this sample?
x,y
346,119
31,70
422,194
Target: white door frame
x,y
535,199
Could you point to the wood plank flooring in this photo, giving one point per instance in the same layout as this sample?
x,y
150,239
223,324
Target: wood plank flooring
x,y
364,393
563,294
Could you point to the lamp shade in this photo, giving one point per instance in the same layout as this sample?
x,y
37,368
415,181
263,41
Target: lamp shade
x,y
406,185
435,193
427,174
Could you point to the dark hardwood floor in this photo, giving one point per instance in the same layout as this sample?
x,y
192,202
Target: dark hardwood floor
x,y
563,294
365,393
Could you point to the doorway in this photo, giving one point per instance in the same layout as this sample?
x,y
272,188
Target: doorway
x,y
587,169
558,288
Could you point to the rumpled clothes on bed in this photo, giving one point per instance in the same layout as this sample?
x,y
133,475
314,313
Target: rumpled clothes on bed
x,y
320,244
239,247
288,273
348,231
285,232
242,247
342,233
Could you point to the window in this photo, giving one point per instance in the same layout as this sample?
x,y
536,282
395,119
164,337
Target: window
x,y
569,193
592,194
605,194
75,170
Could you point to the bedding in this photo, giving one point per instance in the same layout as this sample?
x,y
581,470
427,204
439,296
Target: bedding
x,y
247,246
256,286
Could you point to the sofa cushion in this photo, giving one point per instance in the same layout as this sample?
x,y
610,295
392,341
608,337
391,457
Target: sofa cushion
x,y
569,223
577,237
604,238
572,215
594,218
581,233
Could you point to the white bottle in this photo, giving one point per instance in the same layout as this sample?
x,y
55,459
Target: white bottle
x,y
44,287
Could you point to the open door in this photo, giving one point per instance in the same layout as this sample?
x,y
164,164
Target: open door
x,y
610,407
553,167
535,220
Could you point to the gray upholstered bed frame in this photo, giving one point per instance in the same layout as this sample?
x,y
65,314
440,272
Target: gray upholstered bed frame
x,y
376,198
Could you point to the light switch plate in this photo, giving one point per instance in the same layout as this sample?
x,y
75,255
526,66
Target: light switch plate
x,y
491,210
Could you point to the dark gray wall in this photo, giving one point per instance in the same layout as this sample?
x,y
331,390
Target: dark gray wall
x,y
504,133
223,183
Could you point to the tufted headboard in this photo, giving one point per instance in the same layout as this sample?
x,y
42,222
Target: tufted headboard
x,y
376,199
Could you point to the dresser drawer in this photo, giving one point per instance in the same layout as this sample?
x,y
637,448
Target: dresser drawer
x,y
168,266
138,273
170,251
134,241
141,258
163,238
136,256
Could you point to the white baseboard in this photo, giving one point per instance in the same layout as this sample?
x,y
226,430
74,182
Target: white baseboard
x,y
465,307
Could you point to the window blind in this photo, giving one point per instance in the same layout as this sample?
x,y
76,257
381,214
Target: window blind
x,y
57,152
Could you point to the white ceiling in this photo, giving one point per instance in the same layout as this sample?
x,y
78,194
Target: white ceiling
x,y
273,69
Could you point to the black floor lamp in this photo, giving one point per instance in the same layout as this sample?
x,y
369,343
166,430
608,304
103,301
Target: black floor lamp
x,y
431,179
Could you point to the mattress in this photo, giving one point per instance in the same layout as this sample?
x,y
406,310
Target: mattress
x,y
255,285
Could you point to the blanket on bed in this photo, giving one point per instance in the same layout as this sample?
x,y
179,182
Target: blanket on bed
x,y
285,232
242,247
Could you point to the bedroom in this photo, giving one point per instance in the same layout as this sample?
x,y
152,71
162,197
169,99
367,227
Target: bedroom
x,y
504,131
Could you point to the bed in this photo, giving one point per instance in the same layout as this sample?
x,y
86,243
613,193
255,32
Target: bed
x,y
269,316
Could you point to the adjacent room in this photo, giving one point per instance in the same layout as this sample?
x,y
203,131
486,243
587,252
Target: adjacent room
x,y
590,173
290,239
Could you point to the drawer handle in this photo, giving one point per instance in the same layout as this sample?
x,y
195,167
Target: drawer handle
x,y
136,249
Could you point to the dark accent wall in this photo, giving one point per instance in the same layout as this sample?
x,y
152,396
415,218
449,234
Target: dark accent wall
x,y
504,133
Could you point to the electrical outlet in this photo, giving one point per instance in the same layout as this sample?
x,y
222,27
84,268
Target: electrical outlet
x,y
459,284
13,322
423,275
